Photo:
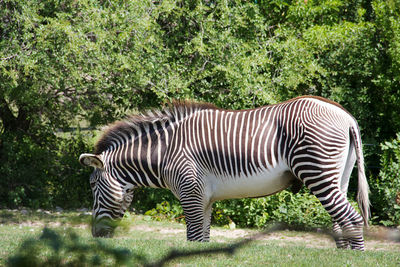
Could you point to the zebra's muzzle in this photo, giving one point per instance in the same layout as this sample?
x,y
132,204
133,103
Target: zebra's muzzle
x,y
103,228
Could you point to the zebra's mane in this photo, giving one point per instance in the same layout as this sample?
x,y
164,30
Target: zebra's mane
x,y
173,111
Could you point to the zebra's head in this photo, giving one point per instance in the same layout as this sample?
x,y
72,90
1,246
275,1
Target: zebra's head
x,y
111,197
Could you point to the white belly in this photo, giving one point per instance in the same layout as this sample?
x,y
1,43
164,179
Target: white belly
x,y
263,183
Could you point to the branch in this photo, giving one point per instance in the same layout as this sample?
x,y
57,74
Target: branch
x,y
9,57
23,49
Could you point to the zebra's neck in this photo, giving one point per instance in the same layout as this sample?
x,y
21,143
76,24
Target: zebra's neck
x,y
134,149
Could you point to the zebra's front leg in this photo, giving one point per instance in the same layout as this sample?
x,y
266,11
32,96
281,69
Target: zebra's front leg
x,y
198,219
207,223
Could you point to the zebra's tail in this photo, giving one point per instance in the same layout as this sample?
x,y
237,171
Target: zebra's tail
x,y
363,188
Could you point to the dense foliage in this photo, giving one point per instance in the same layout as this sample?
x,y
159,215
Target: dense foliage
x,y
386,197
70,64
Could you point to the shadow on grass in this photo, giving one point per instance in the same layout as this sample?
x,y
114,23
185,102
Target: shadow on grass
x,y
55,249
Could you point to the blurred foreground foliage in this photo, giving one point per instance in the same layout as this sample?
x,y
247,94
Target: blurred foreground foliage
x,y
55,249
71,64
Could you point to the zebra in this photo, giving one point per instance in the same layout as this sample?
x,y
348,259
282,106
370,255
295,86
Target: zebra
x,y
203,153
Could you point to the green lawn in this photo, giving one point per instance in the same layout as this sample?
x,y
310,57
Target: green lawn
x,y
153,240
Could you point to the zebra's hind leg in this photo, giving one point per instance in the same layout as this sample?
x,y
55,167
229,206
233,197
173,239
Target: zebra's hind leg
x,y
344,215
341,242
353,231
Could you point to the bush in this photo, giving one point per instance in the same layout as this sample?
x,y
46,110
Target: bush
x,y
63,61
43,175
293,209
386,188
71,180
24,168
145,199
165,210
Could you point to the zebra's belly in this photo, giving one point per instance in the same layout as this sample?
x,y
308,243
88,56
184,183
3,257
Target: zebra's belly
x,y
263,183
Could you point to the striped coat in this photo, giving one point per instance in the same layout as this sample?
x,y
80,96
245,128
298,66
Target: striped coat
x,y
203,154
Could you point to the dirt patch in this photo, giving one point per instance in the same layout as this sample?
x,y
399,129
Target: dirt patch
x,y
156,229
51,224
283,238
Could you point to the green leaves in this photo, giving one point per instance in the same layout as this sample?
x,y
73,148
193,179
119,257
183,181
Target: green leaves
x,y
101,60
387,187
294,209
84,63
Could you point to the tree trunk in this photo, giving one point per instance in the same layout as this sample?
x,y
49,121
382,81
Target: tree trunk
x,y
11,123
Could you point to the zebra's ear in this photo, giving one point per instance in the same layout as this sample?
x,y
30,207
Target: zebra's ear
x,y
91,160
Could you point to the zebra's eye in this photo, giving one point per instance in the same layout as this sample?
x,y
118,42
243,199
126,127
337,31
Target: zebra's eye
x,y
92,184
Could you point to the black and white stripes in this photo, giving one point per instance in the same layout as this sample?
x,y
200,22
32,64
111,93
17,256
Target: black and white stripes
x,y
203,153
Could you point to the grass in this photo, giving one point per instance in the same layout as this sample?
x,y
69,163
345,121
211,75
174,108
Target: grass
x,y
154,240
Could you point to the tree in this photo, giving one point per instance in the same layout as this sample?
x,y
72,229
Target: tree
x,y
71,63
68,63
